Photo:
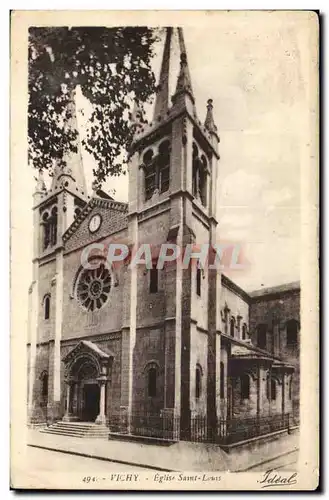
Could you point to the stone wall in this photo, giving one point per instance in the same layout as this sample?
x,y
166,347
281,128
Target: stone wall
x,y
275,310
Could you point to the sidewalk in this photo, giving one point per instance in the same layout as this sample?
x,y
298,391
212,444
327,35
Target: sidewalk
x,y
181,456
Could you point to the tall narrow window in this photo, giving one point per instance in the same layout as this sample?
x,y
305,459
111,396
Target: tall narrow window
x,y
154,279
203,180
198,381
47,307
152,382
244,331
292,330
222,380
157,170
198,281
226,316
195,171
46,230
245,386
164,166
44,385
273,389
53,227
261,336
290,388
199,176
150,174
232,325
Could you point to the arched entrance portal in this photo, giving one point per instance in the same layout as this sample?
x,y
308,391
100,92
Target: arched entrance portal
x,y
86,377
88,393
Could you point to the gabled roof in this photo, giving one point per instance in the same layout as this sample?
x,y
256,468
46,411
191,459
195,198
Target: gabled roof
x,y
94,202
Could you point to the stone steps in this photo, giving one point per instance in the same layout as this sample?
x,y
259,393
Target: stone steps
x,y
77,429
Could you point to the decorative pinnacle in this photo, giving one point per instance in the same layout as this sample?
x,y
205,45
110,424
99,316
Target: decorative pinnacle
x,y
184,83
40,185
209,121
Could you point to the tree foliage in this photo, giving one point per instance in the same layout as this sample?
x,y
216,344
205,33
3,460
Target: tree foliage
x,y
112,66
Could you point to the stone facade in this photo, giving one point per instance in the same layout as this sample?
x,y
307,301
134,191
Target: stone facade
x,y
179,342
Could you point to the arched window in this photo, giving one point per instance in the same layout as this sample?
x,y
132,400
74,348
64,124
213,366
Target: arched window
x,y
49,223
157,170
47,306
245,386
77,212
222,380
244,331
261,336
199,176
152,382
198,381
44,385
232,325
198,281
292,331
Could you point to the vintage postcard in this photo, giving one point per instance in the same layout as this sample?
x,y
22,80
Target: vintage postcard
x,y
164,245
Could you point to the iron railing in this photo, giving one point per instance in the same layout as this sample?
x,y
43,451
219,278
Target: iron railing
x,y
226,431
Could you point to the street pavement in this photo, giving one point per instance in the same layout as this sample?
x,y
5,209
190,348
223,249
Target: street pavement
x,y
287,462
40,468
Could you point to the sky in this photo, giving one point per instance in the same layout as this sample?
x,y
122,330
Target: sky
x,y
256,74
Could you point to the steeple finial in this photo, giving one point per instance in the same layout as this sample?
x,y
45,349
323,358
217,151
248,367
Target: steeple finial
x,y
209,121
73,159
184,83
162,97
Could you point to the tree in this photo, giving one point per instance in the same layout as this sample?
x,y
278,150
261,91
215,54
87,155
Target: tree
x,y
112,66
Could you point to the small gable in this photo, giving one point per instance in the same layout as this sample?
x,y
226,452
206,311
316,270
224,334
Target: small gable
x,y
85,346
99,219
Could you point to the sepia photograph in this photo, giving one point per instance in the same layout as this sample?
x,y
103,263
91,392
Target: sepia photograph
x,y
164,246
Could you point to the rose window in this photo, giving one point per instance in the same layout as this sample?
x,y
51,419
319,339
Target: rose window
x,y
94,287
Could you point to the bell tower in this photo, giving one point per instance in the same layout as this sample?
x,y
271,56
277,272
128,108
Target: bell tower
x,y
54,211
172,199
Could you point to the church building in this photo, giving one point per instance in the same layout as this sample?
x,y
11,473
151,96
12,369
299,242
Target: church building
x,y
153,351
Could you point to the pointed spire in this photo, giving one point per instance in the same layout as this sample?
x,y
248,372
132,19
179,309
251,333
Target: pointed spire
x,y
184,83
73,160
162,97
209,121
